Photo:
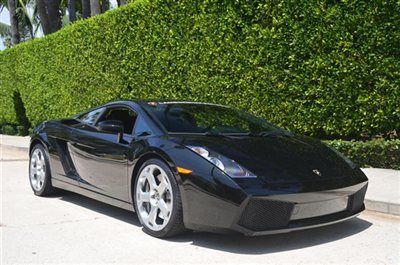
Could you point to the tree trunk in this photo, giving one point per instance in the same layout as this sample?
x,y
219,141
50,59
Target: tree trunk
x,y
121,2
105,5
71,10
15,37
85,8
44,18
53,12
94,7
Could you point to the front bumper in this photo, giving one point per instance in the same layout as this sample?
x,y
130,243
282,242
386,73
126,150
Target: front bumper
x,y
286,213
272,214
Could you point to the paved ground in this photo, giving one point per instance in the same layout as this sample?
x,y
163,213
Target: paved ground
x,y
70,228
383,190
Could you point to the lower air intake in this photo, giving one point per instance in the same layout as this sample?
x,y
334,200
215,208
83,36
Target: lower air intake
x,y
356,200
262,214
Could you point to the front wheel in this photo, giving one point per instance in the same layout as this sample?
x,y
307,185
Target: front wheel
x,y
39,171
157,200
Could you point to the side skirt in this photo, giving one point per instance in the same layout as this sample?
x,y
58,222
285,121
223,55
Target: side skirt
x,y
93,195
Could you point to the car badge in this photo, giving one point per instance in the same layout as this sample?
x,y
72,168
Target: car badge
x,y
317,172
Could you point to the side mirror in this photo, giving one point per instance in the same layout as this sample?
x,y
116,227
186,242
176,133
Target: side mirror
x,y
111,126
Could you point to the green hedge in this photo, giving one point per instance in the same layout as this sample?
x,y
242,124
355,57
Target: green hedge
x,y
323,68
374,153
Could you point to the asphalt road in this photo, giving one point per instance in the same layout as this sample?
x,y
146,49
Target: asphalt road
x,y
70,228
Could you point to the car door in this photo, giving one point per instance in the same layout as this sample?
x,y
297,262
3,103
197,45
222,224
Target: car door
x,y
101,160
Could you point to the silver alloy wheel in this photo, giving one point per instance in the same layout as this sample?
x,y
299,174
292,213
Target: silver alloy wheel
x,y
154,198
37,170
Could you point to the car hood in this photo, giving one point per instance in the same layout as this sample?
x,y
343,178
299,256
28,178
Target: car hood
x,y
276,158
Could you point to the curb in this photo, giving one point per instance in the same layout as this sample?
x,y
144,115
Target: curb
x,y
382,207
20,148
370,205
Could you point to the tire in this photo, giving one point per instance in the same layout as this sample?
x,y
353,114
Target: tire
x,y
158,205
39,171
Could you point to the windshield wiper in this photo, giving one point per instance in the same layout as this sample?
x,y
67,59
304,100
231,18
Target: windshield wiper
x,y
260,134
210,133
219,134
267,133
274,133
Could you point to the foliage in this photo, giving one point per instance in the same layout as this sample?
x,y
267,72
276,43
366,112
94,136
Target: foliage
x,y
5,34
4,29
14,129
329,69
374,153
20,112
27,21
8,129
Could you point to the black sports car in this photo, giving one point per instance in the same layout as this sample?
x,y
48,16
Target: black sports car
x,y
197,166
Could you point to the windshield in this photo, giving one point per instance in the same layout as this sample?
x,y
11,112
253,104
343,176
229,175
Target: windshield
x,y
207,118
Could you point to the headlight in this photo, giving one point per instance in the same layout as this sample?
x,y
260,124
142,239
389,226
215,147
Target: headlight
x,y
229,166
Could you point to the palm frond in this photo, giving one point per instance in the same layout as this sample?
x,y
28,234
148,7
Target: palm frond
x,y
23,8
5,30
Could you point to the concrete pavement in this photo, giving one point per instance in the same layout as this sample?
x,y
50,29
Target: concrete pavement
x,y
71,229
15,142
383,191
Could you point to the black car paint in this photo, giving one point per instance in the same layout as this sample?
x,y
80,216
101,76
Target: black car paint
x,y
95,164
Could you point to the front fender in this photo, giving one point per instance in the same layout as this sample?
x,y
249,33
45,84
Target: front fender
x,y
210,198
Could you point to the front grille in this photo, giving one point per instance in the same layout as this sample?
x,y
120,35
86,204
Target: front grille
x,y
262,214
356,200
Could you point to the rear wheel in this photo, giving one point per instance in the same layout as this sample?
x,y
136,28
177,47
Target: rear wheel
x,y
157,200
39,171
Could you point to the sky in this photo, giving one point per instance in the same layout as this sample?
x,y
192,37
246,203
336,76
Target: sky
x,y
4,18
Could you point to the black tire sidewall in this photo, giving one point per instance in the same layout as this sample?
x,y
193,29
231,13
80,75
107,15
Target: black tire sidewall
x,y
176,214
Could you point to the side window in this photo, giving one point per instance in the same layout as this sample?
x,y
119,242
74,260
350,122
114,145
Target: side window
x,y
141,126
91,117
125,115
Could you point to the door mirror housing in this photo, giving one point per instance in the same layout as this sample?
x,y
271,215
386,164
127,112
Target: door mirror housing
x,y
111,126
